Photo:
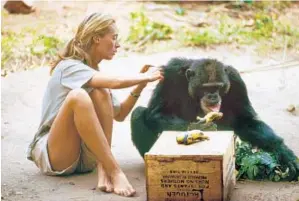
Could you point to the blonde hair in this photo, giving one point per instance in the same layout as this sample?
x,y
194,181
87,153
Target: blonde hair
x,y
96,24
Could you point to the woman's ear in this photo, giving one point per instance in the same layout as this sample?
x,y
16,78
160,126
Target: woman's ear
x,y
96,39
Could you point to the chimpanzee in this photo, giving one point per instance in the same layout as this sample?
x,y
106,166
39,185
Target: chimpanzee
x,y
194,87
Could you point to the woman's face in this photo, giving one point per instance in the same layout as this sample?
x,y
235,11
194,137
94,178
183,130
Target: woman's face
x,y
106,47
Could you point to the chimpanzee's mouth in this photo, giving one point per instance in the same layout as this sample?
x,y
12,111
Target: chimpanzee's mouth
x,y
214,108
208,107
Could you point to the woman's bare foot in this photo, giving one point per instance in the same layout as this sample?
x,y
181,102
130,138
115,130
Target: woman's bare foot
x,y
104,182
121,184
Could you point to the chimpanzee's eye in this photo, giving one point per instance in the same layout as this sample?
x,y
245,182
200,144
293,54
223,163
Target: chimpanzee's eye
x,y
211,89
189,73
222,90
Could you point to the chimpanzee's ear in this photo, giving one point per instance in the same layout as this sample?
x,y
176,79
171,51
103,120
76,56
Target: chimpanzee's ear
x,y
227,69
184,69
232,73
189,73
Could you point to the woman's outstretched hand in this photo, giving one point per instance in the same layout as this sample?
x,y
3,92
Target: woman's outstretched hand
x,y
152,73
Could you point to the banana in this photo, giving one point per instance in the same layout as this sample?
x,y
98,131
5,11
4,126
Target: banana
x,y
211,116
190,137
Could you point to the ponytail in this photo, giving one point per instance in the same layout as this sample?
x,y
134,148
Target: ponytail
x,y
73,50
96,24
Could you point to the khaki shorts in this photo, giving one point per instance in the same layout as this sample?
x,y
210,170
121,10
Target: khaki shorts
x,y
86,161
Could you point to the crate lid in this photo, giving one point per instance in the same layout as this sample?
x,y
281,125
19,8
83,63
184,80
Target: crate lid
x,y
216,147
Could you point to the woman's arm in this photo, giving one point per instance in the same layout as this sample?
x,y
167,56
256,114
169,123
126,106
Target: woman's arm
x,y
127,105
100,80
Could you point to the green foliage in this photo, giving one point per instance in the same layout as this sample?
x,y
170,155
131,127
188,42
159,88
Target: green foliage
x,y
267,5
263,26
263,30
143,27
45,45
260,5
8,43
248,1
180,11
257,165
204,37
24,49
256,23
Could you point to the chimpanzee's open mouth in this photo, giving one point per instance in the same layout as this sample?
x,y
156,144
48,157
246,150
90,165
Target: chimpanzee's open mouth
x,y
214,108
208,107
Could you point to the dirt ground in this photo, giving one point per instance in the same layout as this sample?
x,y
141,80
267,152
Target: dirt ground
x,y
271,92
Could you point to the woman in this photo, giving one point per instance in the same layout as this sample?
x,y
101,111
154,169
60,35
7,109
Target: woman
x,y
78,109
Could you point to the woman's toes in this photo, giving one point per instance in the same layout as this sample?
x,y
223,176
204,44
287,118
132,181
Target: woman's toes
x,y
127,193
101,188
109,188
132,192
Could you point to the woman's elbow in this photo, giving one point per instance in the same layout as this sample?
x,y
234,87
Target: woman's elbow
x,y
119,118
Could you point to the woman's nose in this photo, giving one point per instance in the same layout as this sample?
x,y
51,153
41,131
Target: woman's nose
x,y
117,45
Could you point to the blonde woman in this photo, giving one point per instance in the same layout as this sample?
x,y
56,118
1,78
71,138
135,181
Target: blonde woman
x,y
78,109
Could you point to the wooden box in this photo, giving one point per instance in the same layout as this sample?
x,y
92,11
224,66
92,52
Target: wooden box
x,y
202,171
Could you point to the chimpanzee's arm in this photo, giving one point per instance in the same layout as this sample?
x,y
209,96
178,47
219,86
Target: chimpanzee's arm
x,y
248,127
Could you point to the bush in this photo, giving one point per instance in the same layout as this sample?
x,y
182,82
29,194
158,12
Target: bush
x,y
143,27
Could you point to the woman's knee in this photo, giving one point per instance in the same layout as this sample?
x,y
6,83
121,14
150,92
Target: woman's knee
x,y
100,94
79,97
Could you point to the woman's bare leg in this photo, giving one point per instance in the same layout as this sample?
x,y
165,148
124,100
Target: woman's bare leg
x,y
104,110
76,121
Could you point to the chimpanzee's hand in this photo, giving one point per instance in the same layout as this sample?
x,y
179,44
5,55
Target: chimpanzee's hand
x,y
287,158
293,170
204,127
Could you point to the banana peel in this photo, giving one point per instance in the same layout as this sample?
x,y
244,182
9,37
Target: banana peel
x,y
210,117
206,123
191,137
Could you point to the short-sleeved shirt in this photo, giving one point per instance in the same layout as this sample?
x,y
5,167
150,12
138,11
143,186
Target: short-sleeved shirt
x,y
68,75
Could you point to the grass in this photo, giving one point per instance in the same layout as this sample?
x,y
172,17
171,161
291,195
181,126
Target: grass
x,y
261,24
27,48
263,29
8,43
43,45
142,27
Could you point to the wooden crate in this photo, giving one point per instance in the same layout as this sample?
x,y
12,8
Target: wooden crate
x,y
203,171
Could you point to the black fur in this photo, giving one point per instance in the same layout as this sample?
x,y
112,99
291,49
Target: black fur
x,y
172,108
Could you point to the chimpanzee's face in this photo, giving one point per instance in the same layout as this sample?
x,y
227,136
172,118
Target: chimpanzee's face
x,y
208,83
